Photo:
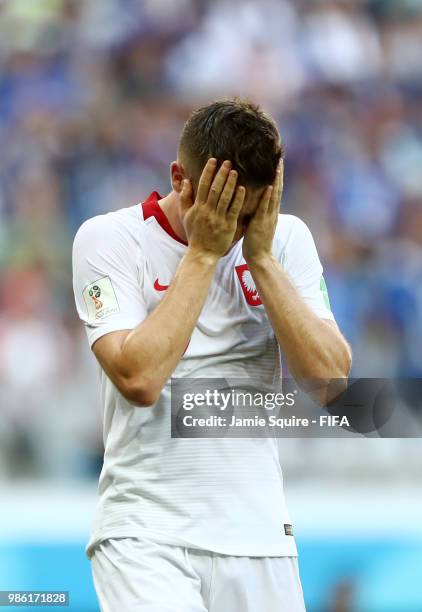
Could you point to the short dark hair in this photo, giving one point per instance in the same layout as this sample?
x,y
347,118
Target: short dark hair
x,y
237,130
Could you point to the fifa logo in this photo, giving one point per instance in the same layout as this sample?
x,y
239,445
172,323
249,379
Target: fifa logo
x,y
94,294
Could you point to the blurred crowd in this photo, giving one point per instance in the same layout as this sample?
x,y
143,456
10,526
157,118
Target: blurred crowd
x,y
92,99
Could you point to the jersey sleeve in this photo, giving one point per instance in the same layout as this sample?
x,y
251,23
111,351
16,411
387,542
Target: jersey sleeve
x,y
301,262
107,278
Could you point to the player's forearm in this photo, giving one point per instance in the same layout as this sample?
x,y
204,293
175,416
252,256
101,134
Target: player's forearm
x,y
151,352
314,349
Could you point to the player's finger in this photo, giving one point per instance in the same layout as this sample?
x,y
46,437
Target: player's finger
x,y
186,196
237,203
206,179
218,184
265,201
228,192
278,188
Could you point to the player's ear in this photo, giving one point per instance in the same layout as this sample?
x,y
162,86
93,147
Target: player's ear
x,y
177,174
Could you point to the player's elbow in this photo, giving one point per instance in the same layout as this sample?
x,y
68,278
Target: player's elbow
x,y
335,360
139,393
344,360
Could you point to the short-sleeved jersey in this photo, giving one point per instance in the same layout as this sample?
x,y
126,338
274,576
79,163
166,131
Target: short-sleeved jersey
x,y
222,495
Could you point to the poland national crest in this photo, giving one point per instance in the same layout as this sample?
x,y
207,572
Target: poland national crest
x,y
248,285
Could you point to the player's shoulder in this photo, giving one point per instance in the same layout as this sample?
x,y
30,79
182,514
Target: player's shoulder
x,y
293,238
119,225
289,228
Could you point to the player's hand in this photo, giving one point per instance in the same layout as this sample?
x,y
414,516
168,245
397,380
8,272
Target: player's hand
x,y
258,238
210,222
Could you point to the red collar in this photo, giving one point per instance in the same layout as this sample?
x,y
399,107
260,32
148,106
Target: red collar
x,y
151,208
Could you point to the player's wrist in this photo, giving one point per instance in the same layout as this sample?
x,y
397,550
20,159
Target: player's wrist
x,y
260,260
205,258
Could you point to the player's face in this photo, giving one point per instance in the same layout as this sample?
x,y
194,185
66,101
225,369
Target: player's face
x,y
253,197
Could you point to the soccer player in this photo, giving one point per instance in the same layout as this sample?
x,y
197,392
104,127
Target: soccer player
x,y
207,281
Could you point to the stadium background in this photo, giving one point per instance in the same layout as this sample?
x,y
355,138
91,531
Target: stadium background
x,y
92,98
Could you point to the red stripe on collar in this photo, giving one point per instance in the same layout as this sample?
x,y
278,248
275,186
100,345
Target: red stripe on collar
x,y
151,208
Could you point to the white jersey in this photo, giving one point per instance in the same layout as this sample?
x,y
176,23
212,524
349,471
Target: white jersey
x,y
221,495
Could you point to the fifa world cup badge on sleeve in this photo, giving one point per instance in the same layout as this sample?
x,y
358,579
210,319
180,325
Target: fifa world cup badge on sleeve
x,y
100,299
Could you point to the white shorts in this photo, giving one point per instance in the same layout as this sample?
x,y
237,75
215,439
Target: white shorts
x,y
141,576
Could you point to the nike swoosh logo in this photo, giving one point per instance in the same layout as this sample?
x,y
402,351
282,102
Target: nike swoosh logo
x,y
159,287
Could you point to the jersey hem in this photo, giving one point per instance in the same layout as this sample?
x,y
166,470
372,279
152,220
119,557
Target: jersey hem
x,y
286,548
